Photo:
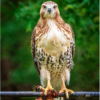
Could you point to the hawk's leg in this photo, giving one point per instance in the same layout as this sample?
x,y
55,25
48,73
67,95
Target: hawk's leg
x,y
49,87
64,89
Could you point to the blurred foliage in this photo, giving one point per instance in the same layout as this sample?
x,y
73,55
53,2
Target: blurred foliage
x,y
19,19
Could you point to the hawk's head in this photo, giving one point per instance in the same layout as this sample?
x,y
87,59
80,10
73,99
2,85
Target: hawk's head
x,y
49,9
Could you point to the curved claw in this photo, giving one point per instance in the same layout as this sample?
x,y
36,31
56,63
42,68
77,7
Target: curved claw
x,y
45,96
54,91
58,95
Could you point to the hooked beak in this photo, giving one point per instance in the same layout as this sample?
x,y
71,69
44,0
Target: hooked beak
x,y
49,10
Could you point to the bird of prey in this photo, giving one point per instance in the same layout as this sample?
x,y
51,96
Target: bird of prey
x,y
53,47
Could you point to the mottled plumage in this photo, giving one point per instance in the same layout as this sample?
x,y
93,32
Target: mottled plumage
x,y
53,47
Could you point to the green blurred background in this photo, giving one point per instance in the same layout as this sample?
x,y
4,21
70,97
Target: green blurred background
x,y
19,17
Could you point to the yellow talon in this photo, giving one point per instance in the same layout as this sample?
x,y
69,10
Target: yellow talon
x,y
64,89
49,87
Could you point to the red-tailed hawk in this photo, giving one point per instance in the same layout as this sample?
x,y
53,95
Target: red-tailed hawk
x,y
53,47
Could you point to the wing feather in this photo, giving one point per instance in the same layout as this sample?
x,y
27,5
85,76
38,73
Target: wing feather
x,y
73,38
33,50
73,42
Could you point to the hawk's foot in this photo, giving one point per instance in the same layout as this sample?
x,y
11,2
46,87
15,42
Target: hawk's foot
x,y
46,89
49,87
64,89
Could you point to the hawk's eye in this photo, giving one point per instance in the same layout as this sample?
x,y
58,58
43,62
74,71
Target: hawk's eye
x,y
44,6
54,7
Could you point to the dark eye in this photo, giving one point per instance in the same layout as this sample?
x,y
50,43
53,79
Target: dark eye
x,y
44,6
54,7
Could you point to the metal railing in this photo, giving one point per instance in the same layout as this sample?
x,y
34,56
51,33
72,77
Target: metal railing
x,y
39,94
